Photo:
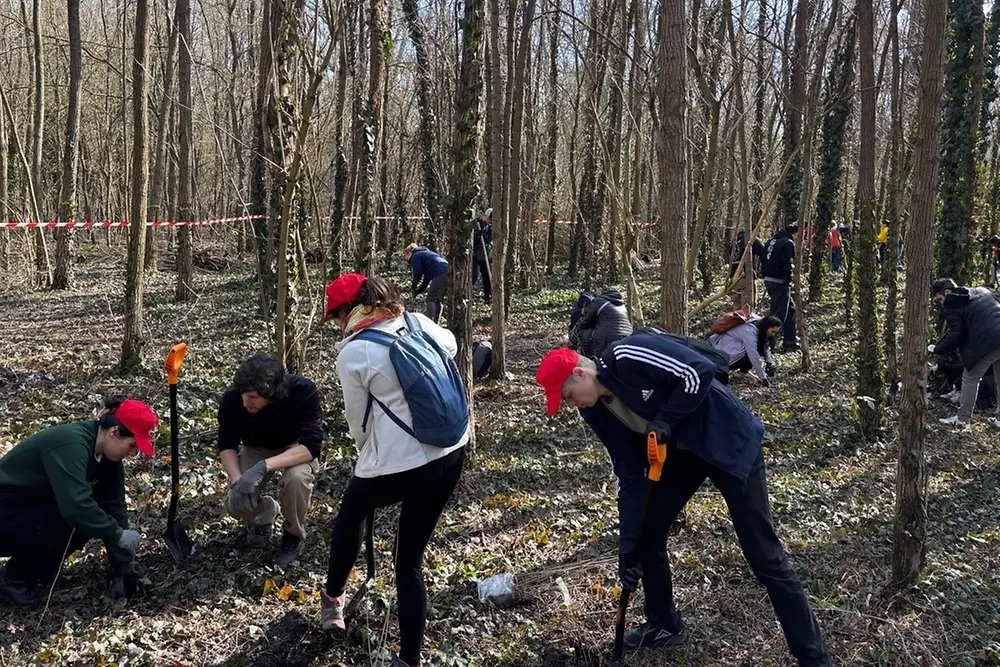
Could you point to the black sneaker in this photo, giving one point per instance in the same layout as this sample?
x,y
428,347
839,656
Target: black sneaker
x,y
288,549
648,635
258,536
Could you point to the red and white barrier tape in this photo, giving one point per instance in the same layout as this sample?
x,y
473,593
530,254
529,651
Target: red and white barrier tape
x,y
105,224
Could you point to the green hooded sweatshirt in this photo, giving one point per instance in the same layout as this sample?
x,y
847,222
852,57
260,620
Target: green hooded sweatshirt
x,y
58,465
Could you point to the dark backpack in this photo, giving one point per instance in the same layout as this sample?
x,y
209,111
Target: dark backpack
x,y
430,382
719,359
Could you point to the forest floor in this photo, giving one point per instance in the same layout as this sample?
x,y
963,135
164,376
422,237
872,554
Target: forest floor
x,y
536,500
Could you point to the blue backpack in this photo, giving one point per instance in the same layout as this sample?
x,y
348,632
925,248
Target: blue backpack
x,y
430,382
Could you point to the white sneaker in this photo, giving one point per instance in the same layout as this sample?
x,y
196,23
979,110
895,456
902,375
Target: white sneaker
x,y
994,421
954,421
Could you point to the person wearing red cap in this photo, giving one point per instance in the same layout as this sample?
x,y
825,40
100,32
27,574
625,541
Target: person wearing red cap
x,y
393,466
64,486
649,383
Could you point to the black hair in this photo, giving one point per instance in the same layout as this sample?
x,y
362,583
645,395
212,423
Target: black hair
x,y
374,293
107,419
263,374
943,284
762,326
792,228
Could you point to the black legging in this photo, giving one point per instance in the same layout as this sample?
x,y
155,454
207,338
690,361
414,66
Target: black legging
x,y
423,492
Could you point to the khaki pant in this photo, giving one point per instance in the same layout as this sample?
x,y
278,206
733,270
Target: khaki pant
x,y
294,491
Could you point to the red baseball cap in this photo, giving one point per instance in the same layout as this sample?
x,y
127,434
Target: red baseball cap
x,y
342,290
553,371
139,418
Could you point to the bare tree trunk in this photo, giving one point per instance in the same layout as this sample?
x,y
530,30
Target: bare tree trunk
x,y
43,268
132,340
157,196
372,129
871,392
552,130
672,143
894,192
63,276
910,527
185,201
5,210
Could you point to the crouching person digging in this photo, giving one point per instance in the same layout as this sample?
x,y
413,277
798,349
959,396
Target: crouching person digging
x,y
63,487
270,422
647,383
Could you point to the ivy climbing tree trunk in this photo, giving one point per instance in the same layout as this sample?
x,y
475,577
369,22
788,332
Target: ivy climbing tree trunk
x,y
871,392
132,340
909,533
371,129
63,276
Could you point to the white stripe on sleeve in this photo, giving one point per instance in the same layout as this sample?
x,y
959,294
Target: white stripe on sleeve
x,y
692,381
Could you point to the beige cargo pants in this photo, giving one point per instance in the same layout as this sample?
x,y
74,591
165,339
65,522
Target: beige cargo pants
x,y
294,492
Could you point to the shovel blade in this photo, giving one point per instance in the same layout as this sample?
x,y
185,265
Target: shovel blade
x,y
179,544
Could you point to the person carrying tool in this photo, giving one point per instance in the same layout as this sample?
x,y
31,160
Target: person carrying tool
x,y
779,264
64,486
482,247
409,416
648,385
430,274
270,421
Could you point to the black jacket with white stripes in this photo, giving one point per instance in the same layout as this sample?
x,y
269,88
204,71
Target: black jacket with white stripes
x,y
662,380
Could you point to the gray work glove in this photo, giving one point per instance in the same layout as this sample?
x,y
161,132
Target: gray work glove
x,y
129,541
239,502
249,482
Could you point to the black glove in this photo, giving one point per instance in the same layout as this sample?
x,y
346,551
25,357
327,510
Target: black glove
x,y
116,591
769,369
662,430
629,572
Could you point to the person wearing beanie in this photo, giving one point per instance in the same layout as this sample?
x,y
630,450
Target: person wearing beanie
x,y
65,486
779,265
430,274
394,466
650,384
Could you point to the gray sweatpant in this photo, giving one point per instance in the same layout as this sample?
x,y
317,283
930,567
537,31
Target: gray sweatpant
x,y
970,384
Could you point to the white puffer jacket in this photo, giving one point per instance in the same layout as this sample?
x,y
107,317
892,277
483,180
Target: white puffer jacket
x,y
363,367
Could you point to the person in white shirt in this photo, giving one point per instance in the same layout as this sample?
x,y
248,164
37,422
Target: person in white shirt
x,y
393,466
747,343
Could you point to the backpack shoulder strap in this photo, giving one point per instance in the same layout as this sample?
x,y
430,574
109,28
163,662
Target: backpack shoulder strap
x,y
412,323
376,336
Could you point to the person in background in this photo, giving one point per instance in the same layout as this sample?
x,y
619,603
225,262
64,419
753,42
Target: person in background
x,y
393,467
778,269
836,252
754,261
972,315
482,359
270,422
605,321
430,274
882,239
745,345
994,260
580,309
65,486
482,247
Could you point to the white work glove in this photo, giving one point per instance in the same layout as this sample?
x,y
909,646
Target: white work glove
x,y
930,349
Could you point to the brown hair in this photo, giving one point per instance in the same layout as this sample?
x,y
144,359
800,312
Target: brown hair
x,y
375,293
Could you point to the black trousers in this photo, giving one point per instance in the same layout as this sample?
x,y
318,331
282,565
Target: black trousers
x,y
783,307
750,512
743,365
423,492
35,536
480,268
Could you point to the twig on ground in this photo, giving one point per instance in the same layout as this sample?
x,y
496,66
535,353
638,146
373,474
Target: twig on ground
x,y
55,579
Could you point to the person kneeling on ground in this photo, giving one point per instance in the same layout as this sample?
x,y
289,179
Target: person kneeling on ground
x,y
482,359
64,486
430,274
270,422
973,318
650,383
746,343
604,321
410,441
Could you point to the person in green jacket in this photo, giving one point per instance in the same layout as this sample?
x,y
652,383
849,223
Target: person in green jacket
x,y
64,486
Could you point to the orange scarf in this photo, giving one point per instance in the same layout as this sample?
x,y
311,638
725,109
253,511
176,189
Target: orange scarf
x,y
362,317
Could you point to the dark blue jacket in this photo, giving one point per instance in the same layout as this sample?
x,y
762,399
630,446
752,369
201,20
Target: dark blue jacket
x,y
661,380
779,261
426,265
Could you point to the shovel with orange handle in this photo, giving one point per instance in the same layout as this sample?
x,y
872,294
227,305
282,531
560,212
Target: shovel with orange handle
x,y
178,542
656,455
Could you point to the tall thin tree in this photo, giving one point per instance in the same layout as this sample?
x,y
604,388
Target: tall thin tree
x,y
185,200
